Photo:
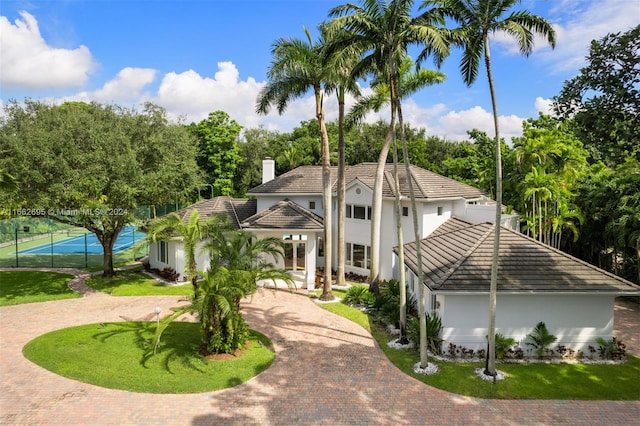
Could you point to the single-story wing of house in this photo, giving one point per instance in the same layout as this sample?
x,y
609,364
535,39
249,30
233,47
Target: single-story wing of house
x,y
535,283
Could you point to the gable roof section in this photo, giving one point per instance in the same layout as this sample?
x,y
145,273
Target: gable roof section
x,y
457,258
308,180
236,210
284,215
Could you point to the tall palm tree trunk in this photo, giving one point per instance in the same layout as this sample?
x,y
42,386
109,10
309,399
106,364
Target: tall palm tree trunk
x,y
326,197
342,209
376,211
491,364
401,269
424,360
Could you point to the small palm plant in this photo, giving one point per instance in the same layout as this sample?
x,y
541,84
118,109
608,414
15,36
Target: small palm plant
x,y
503,344
541,338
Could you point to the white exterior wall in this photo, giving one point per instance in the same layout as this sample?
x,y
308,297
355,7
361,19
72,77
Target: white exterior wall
x,y
174,257
266,201
430,219
576,320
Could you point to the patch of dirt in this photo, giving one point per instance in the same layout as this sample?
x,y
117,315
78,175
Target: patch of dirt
x,y
221,357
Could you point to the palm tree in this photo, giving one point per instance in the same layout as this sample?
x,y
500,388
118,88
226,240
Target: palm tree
x,y
409,83
298,66
191,233
341,63
237,261
478,19
382,31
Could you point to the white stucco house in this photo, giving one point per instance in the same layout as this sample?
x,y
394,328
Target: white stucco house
x,y
535,283
290,207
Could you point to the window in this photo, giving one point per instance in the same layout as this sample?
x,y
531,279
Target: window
x,y
163,252
358,255
312,205
440,210
405,211
320,247
359,212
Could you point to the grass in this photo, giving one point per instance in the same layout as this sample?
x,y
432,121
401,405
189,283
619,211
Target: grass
x,y
135,283
524,381
28,287
115,356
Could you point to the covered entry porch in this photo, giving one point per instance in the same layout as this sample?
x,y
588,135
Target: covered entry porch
x,y
298,229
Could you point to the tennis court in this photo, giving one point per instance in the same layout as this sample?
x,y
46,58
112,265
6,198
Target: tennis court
x,y
87,243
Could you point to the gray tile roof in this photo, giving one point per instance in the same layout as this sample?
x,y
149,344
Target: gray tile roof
x,y
308,180
284,215
236,210
457,258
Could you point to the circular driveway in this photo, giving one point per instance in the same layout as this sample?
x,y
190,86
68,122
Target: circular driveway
x,y
328,370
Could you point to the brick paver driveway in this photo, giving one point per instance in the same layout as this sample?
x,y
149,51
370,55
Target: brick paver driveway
x,y
327,371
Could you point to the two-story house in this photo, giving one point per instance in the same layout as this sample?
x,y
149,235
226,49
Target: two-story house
x,y
290,208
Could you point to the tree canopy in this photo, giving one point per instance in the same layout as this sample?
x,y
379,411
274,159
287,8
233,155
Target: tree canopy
x,y
602,103
92,165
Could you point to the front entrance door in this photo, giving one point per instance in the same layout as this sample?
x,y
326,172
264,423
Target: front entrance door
x,y
294,256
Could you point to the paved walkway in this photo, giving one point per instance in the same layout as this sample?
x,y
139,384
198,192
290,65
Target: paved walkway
x,y
328,371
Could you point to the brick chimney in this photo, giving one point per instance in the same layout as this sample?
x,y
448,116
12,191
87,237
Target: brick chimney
x,y
268,169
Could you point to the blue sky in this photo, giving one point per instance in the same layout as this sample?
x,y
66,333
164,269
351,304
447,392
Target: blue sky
x,y
194,57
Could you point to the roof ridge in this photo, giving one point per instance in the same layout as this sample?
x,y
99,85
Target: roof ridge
x,y
466,255
233,209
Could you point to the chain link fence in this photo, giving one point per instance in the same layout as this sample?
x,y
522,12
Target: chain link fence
x,y
32,242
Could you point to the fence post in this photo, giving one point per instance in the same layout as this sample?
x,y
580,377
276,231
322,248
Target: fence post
x,y
86,256
17,261
51,234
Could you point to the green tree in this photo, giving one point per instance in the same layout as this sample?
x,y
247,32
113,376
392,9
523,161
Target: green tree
x,y
192,232
297,66
237,261
602,103
218,153
477,19
89,165
549,161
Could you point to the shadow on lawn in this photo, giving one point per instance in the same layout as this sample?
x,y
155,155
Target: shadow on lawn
x,y
179,343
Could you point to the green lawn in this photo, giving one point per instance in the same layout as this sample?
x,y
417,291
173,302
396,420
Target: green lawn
x,y
116,356
135,283
27,287
525,381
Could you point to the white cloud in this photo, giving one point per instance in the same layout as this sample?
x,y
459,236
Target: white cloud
x,y
587,21
577,23
28,62
454,124
190,94
544,105
126,87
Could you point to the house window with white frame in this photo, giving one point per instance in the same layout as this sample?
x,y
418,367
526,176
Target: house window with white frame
x,y
163,251
312,205
358,212
358,255
440,210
